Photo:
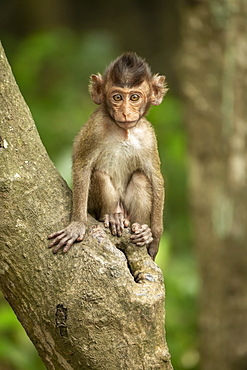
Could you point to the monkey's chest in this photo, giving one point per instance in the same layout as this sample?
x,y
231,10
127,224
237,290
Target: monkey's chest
x,y
120,162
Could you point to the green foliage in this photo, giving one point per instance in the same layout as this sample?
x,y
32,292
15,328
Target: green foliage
x,y
176,257
52,70
16,350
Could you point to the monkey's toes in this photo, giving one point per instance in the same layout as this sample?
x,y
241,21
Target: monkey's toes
x,y
142,234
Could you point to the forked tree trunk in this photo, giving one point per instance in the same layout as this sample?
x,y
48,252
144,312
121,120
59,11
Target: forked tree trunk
x,y
215,84
96,307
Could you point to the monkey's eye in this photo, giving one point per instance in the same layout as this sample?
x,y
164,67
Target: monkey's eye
x,y
117,97
134,97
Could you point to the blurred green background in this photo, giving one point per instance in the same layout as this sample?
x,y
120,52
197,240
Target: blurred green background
x,y
53,47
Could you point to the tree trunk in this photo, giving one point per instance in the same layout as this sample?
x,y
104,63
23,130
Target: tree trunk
x,y
215,85
96,307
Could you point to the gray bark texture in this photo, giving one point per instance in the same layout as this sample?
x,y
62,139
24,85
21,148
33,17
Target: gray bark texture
x,y
101,305
214,72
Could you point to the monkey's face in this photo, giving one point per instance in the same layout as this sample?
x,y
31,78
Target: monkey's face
x,y
124,101
127,105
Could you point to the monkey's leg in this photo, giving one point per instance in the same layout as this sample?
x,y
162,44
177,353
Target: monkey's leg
x,y
138,202
138,198
104,203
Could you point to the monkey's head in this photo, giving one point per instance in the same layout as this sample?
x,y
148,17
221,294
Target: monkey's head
x,y
127,89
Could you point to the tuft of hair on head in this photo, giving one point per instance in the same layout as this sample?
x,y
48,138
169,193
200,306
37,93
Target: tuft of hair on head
x,y
128,70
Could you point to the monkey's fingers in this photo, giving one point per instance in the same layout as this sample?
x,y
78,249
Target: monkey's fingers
x,y
109,222
80,238
58,237
57,233
69,244
65,244
142,236
112,224
144,240
126,222
106,220
116,222
136,228
139,229
119,220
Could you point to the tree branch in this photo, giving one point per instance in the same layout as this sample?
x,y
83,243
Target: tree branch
x,y
96,307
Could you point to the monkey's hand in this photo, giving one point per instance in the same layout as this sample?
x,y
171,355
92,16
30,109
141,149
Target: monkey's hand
x,y
65,238
116,222
142,234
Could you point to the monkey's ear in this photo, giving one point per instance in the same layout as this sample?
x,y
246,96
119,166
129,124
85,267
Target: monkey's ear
x,y
96,88
159,89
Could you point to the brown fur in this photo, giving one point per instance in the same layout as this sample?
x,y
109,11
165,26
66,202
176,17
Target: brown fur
x,y
128,70
116,166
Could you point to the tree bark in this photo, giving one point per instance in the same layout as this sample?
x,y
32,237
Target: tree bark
x,y
96,307
215,83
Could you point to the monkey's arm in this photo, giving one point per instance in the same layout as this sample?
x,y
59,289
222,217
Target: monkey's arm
x,y
156,222
75,231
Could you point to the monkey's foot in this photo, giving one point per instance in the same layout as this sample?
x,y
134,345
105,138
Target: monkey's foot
x,y
116,222
65,238
142,234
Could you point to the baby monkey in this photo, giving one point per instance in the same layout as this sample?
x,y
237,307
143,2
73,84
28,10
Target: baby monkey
x,y
116,165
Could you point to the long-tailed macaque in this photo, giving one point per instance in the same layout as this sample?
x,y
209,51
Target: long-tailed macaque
x,y
116,166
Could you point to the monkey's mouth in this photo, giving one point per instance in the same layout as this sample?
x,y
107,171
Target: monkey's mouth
x,y
126,125
126,122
